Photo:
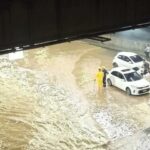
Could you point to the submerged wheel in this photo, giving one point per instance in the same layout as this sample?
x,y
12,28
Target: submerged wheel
x,y
109,82
128,91
115,64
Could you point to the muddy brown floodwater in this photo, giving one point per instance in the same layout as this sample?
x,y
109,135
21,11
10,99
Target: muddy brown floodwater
x,y
49,101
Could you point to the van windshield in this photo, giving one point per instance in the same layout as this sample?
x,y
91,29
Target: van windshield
x,y
132,76
136,58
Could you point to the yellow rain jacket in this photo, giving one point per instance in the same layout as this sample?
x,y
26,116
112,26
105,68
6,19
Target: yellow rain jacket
x,y
99,78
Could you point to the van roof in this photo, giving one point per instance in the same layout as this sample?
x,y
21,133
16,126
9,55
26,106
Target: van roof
x,y
127,53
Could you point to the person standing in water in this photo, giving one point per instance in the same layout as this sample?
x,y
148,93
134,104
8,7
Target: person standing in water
x,y
147,51
105,74
99,78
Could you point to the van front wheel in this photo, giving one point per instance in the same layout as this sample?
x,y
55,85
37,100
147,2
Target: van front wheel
x,y
128,91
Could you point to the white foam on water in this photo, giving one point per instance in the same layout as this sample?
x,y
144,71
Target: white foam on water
x,y
16,55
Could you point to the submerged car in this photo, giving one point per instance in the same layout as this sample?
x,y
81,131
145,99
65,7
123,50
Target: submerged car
x,y
128,80
129,60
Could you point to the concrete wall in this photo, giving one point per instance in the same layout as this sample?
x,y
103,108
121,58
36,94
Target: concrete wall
x,y
131,40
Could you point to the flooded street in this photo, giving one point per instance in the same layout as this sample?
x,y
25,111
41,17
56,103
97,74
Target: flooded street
x,y
49,101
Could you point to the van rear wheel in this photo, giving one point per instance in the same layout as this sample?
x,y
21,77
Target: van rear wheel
x,y
109,82
115,64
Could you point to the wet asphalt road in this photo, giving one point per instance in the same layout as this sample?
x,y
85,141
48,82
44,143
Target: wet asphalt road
x,y
49,101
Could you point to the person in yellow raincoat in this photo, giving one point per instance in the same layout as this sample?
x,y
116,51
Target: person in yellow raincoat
x,y
99,78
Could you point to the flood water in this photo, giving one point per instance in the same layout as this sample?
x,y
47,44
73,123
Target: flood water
x,y
49,101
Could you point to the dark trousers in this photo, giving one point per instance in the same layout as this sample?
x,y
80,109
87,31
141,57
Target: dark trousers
x,y
104,81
